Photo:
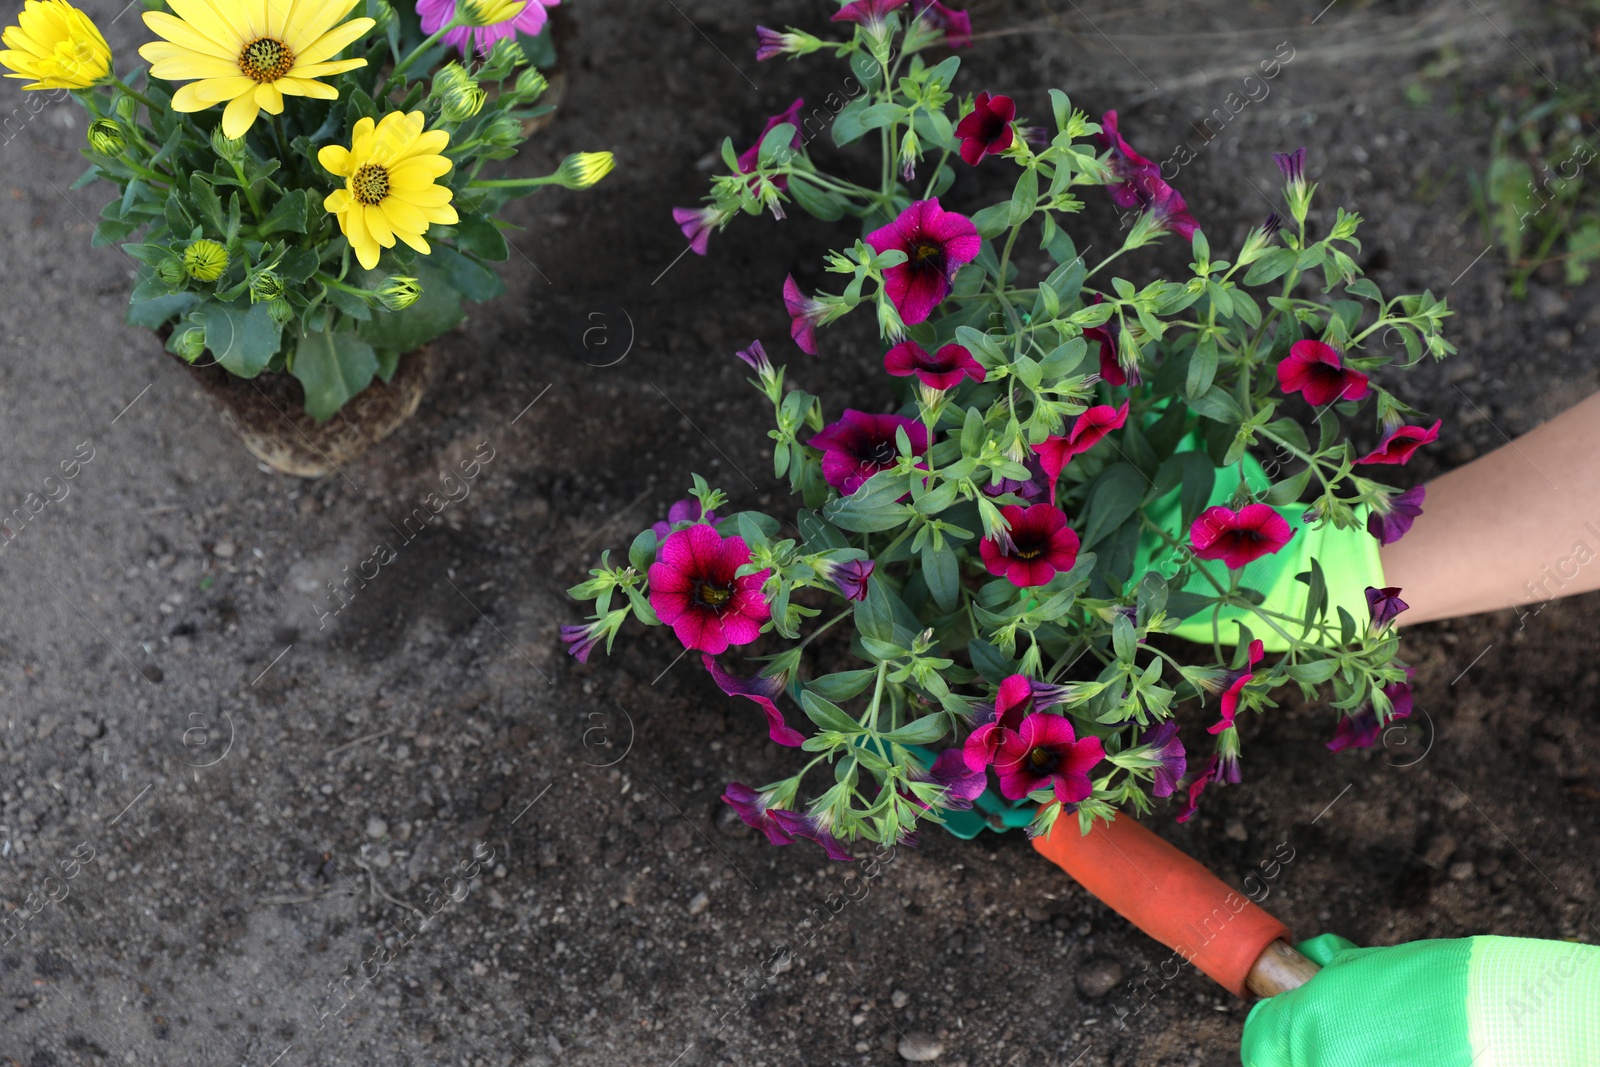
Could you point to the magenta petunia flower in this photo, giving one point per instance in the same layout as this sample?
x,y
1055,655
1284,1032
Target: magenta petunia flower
x,y
1045,751
868,13
1230,683
986,129
1400,443
957,25
1315,369
1384,605
436,13
697,224
1238,537
860,445
1362,729
1388,527
936,243
1017,697
1030,490
752,155
1167,207
681,511
753,807
1089,430
1041,543
694,590
1126,164
851,577
1162,740
581,640
804,314
814,828
1111,370
962,785
1213,772
942,370
761,690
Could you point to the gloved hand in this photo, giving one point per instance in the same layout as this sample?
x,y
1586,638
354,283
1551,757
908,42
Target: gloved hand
x,y
1348,558
1471,1002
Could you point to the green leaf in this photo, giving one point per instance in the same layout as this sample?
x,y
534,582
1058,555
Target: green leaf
x,y
1313,673
1270,266
1202,368
242,337
847,125
1114,495
642,552
157,311
332,367
943,575
1199,479
471,279
291,214
872,507
989,661
923,731
828,715
1316,599
843,685
475,233
819,535
1217,403
993,220
815,200
1025,197
874,614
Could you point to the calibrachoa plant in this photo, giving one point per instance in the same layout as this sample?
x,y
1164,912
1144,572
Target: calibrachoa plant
x,y
303,179
1077,470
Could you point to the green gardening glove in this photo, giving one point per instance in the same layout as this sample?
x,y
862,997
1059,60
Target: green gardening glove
x,y
1348,558
1471,1002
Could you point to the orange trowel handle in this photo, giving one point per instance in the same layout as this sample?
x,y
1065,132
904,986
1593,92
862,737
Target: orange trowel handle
x,y
1175,900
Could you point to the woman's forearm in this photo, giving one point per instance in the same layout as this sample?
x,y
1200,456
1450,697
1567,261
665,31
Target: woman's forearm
x,y
1518,526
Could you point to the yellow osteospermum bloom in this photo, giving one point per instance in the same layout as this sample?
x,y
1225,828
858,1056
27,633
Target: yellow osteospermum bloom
x,y
250,53
389,190
56,45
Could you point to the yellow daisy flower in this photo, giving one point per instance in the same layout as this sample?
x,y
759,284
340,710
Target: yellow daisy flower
x,y
250,53
389,190
56,45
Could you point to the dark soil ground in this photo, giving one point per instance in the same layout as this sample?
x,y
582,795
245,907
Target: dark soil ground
x,y
249,795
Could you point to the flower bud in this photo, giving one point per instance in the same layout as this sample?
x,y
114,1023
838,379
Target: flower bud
x,y
582,169
228,148
192,344
265,285
105,137
487,12
383,15
770,43
456,93
506,56
205,260
530,86
398,292
503,131
280,310
172,272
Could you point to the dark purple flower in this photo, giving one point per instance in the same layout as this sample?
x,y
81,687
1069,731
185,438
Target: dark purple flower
x,y
1036,486
1362,729
580,640
1230,683
1212,773
851,577
957,25
1384,604
756,356
763,691
1162,739
942,370
804,315
1292,164
860,445
770,43
937,243
813,827
1168,210
962,785
753,808
1041,544
1273,224
1126,164
986,129
1112,372
1314,369
1388,527
680,511
1045,751
697,225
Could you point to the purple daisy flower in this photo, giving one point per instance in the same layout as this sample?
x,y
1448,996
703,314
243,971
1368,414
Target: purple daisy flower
x,y
436,13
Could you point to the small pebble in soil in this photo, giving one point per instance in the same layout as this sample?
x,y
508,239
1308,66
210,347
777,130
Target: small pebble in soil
x,y
376,828
1099,977
1461,871
900,998
919,1046
699,903
1234,831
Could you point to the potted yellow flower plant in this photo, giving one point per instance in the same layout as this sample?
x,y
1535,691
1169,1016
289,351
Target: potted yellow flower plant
x,y
301,185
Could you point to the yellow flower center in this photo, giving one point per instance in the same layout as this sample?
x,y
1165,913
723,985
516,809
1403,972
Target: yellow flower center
x,y
265,60
370,184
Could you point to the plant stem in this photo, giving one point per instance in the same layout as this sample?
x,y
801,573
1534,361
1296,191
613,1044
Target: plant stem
x,y
405,64
155,109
